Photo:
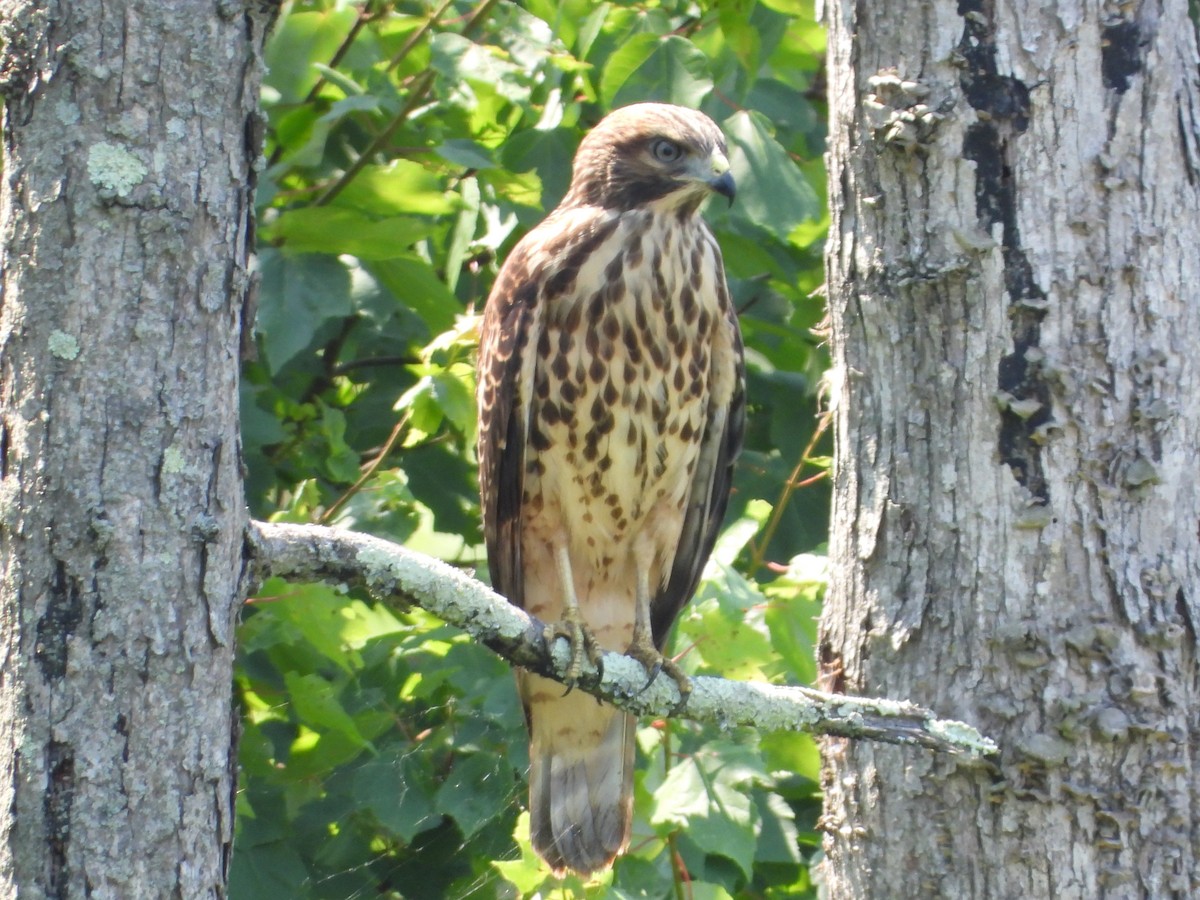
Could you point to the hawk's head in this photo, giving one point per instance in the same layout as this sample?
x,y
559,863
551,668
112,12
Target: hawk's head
x,y
650,152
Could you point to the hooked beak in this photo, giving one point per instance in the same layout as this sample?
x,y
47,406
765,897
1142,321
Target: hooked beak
x,y
724,185
721,181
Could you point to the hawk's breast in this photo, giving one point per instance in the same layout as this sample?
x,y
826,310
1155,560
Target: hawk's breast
x,y
621,384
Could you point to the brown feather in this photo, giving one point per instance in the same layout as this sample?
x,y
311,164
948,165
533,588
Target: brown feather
x,y
611,408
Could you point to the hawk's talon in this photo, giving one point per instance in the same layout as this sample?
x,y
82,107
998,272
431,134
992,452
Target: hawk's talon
x,y
655,663
582,643
654,672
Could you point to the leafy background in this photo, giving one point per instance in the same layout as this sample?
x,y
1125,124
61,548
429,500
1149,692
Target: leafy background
x,y
409,145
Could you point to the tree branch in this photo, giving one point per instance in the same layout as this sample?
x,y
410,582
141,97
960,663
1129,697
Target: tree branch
x,y
396,575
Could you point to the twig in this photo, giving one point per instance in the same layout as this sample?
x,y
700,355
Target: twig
x,y
394,574
789,487
369,472
416,94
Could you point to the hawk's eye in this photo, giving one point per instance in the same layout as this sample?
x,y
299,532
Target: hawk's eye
x,y
666,151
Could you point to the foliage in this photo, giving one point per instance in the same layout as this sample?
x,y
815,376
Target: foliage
x,y
409,145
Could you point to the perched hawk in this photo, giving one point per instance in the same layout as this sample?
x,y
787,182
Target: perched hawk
x,y
611,407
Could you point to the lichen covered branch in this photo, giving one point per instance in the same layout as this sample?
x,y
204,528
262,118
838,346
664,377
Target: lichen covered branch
x,y
393,574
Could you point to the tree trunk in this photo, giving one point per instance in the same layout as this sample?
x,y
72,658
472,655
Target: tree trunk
x,y
126,223
1013,270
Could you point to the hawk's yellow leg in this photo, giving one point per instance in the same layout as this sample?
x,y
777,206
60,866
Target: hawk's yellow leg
x,y
642,647
572,625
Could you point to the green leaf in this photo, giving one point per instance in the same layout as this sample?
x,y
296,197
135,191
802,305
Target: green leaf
x,y
454,391
529,872
792,752
466,153
299,294
623,63
316,703
363,623
425,414
464,230
341,462
706,796
670,70
267,870
334,230
791,7
784,106
791,616
349,86
701,890
521,188
778,839
740,532
303,135
400,792
309,613
313,756
400,188
413,282
460,59
385,508
772,193
726,624
260,427
740,34
476,789
300,38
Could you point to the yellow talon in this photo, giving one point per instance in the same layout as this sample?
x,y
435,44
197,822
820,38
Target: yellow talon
x,y
583,643
654,662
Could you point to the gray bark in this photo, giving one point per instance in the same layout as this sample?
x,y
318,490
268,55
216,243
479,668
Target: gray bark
x,y
401,577
125,226
1013,267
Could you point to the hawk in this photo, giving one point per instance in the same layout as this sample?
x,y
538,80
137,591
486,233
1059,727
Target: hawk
x,y
611,408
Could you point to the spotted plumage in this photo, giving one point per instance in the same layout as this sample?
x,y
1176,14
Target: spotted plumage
x,y
611,407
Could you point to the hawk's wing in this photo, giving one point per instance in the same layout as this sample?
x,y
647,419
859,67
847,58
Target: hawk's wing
x,y
508,331
711,483
543,265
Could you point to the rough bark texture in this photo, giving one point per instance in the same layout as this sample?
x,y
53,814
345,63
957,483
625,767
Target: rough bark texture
x,y
401,577
1013,271
124,226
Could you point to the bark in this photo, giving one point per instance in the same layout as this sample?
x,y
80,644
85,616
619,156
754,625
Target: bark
x,y
125,221
1012,274
402,577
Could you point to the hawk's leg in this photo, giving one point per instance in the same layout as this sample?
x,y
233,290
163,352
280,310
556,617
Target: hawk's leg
x,y
572,625
642,647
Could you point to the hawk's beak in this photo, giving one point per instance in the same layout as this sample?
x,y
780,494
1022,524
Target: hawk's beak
x,y
722,179
724,185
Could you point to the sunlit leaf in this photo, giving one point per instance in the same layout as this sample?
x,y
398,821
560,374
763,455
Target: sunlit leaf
x,y
458,58
401,188
707,795
670,70
772,194
341,462
416,286
316,702
464,230
792,752
334,230
299,38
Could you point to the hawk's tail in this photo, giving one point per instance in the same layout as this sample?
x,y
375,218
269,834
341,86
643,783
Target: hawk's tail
x,y
580,780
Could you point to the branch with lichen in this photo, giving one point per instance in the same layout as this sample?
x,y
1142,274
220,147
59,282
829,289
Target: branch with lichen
x,y
395,575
